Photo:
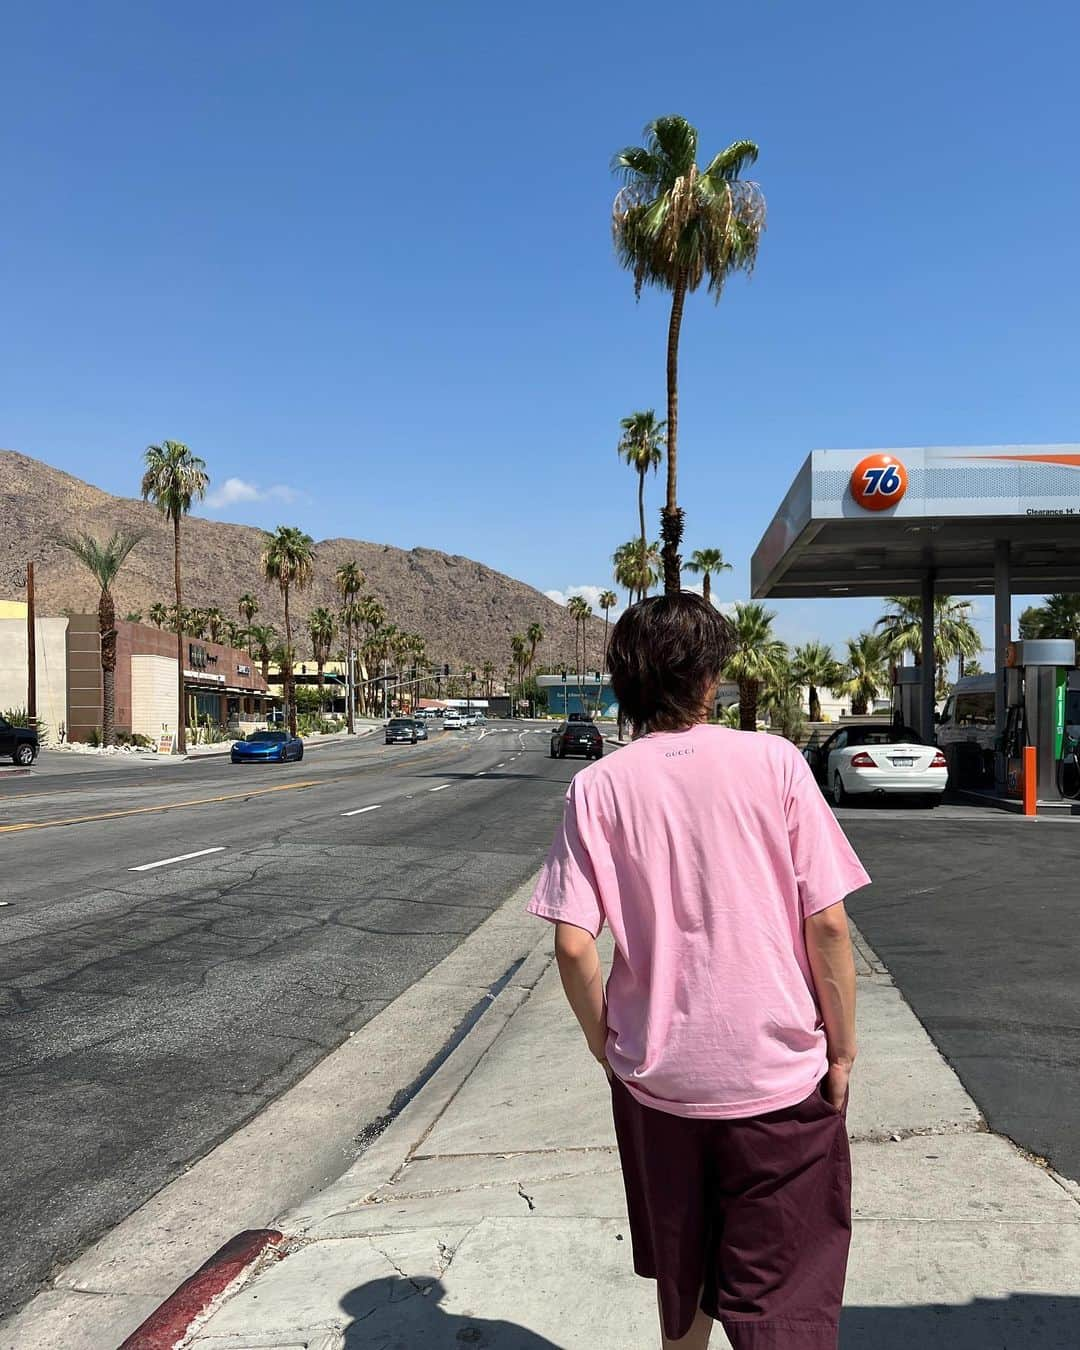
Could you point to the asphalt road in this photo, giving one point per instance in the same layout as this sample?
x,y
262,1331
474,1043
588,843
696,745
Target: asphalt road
x,y
147,1014
977,916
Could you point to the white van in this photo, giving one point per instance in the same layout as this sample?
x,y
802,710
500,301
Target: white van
x,y
967,730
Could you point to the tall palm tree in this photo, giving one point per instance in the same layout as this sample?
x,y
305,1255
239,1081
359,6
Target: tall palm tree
x,y
487,670
706,561
519,654
636,572
103,561
814,665
535,634
174,478
865,673
158,614
581,611
262,637
642,446
288,559
674,226
607,602
758,658
954,633
349,579
322,629
247,607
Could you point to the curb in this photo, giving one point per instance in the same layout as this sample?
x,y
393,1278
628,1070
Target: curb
x,y
173,1319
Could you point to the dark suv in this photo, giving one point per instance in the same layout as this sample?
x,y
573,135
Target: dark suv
x,y
401,730
577,737
21,743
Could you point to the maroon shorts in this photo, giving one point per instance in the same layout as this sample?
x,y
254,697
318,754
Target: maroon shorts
x,y
748,1219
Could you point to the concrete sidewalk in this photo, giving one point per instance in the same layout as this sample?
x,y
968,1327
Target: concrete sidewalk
x,y
491,1212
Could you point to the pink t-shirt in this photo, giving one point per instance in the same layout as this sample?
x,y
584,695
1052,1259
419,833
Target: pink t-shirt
x,y
704,850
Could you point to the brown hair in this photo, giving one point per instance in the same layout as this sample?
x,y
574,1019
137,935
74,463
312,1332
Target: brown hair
x,y
665,655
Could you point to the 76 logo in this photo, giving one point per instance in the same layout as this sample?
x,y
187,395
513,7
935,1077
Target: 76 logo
x,y
878,482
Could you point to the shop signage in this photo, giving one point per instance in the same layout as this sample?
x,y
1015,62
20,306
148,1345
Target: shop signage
x,y
196,656
878,482
243,670
165,743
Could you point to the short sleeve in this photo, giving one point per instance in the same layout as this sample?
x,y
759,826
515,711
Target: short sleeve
x,y
827,868
567,891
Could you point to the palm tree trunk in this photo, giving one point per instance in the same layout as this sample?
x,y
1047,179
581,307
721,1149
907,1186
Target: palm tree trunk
x,y
107,634
603,667
671,518
815,705
181,699
287,673
706,588
641,512
748,700
350,690
321,685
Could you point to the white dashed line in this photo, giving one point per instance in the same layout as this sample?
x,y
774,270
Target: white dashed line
x,y
441,788
360,810
181,857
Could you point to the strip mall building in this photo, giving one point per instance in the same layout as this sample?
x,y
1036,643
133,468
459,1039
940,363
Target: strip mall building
x,y
222,684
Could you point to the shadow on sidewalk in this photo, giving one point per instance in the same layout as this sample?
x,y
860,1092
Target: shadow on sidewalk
x,y
402,1313
1018,1322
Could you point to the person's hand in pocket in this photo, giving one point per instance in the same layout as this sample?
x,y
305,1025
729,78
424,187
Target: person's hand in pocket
x,y
835,1084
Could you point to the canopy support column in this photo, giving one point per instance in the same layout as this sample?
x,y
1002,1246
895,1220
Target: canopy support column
x,y
1002,627
929,672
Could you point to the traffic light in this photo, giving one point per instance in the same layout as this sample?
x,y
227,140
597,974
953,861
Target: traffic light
x,y
472,676
564,676
445,669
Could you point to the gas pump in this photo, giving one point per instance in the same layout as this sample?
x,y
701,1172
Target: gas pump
x,y
907,697
1036,684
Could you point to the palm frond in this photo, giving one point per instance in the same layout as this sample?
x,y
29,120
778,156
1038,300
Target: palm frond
x,y
730,163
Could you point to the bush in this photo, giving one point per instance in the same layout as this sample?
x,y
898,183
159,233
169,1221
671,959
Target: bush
x,y
94,737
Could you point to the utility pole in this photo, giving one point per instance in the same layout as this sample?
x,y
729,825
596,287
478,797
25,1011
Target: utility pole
x,y
31,649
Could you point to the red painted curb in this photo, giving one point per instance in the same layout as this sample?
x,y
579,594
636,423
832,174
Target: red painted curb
x,y
167,1324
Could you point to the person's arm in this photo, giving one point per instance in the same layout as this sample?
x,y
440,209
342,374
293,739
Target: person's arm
x,y
828,945
583,984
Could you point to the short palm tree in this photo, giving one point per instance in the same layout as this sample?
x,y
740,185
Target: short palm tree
x,y
348,579
758,658
263,637
288,559
674,226
954,634
215,624
174,478
487,670
322,629
864,675
195,622
519,655
103,561
814,665
642,446
158,614
247,607
706,561
1057,617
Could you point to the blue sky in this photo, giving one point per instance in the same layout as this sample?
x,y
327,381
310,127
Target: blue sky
x,y
345,249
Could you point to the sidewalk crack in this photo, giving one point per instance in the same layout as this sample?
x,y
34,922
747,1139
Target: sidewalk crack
x,y
527,1198
417,1287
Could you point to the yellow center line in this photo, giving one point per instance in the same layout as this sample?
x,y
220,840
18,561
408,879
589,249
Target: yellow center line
x,y
166,806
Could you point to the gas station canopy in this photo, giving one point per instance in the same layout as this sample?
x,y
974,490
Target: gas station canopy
x,y
869,523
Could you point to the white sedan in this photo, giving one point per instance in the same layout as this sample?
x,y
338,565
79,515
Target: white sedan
x,y
878,760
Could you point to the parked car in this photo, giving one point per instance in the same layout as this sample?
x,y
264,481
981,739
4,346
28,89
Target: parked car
x,y
577,738
401,730
267,747
20,743
421,729
454,720
877,759
967,730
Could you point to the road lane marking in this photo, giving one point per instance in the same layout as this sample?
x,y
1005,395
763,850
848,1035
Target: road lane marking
x,y
442,787
360,810
180,857
167,806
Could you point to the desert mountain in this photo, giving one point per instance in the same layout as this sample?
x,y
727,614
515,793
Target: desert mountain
x,y
466,612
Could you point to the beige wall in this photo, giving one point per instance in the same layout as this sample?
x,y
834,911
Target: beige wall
x,y
153,695
51,644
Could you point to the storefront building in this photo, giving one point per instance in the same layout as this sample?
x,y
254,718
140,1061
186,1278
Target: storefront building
x,y
223,685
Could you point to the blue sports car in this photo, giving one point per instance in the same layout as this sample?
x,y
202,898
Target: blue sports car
x,y
262,747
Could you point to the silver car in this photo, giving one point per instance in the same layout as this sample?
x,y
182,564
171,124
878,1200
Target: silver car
x,y
421,729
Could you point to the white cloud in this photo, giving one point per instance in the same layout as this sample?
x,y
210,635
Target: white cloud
x,y
235,491
591,594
